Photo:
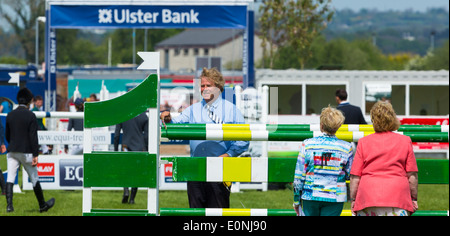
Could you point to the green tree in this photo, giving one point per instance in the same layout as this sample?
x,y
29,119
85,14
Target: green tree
x,y
363,55
9,47
434,60
122,42
306,19
355,55
294,24
272,29
12,60
439,59
22,18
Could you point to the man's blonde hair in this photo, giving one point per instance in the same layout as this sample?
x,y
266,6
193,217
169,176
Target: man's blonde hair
x,y
383,117
214,76
331,120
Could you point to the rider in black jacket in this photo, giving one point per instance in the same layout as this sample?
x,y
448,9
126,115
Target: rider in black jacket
x,y
23,148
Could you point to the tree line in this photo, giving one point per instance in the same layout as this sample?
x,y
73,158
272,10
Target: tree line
x,y
296,30
294,35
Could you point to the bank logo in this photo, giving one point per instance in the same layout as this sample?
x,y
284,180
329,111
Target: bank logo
x,y
165,16
104,16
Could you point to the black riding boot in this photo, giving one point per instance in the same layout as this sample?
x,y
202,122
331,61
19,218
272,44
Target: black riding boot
x,y
133,195
43,205
2,183
126,194
9,197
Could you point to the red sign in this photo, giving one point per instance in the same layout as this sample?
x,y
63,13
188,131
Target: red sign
x,y
168,173
46,169
168,170
432,146
424,121
427,121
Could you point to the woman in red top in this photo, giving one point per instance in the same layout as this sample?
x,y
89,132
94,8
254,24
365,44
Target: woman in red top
x,y
384,172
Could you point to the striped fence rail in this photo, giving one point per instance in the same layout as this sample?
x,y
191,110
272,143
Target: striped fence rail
x,y
225,212
259,212
119,212
284,135
272,169
248,169
59,114
302,127
232,169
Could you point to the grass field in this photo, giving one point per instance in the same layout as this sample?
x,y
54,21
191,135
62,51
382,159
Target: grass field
x,y
69,203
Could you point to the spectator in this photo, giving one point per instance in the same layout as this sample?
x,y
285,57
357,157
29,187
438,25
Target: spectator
x,y
384,173
5,106
77,125
323,165
213,110
38,106
353,114
93,97
2,139
2,150
134,138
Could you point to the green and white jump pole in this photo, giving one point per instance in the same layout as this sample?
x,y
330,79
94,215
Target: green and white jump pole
x,y
260,212
285,133
302,127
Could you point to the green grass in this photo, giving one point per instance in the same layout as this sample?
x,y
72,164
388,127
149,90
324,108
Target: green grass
x,y
69,203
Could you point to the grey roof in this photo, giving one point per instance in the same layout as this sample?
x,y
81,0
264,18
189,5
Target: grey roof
x,y
200,37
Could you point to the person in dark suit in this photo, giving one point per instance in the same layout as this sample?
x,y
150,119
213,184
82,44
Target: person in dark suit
x,y
77,125
134,138
353,114
2,150
21,134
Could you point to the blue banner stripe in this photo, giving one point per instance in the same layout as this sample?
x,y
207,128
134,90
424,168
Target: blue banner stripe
x,y
120,16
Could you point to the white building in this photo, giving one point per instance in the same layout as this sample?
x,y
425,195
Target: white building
x,y
306,92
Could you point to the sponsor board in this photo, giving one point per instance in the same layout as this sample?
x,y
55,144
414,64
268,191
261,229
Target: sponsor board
x,y
145,16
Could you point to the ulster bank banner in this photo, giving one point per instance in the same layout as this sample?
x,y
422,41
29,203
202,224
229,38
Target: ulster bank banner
x,y
133,16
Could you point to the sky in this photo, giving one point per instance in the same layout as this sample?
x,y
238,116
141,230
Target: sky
x,y
385,5
381,5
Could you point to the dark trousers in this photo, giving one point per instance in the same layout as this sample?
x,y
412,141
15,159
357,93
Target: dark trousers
x,y
208,195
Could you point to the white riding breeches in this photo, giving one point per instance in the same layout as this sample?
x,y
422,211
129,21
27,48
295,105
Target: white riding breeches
x,y
14,159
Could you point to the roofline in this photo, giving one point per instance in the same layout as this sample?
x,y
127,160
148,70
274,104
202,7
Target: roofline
x,y
379,75
181,46
225,41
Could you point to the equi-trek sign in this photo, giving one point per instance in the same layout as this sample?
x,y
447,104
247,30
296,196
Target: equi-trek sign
x,y
134,16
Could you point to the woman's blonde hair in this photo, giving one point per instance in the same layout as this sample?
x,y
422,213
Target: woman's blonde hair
x,y
215,76
331,120
383,117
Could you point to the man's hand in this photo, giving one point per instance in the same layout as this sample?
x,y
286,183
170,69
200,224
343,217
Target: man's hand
x,y
165,117
34,162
